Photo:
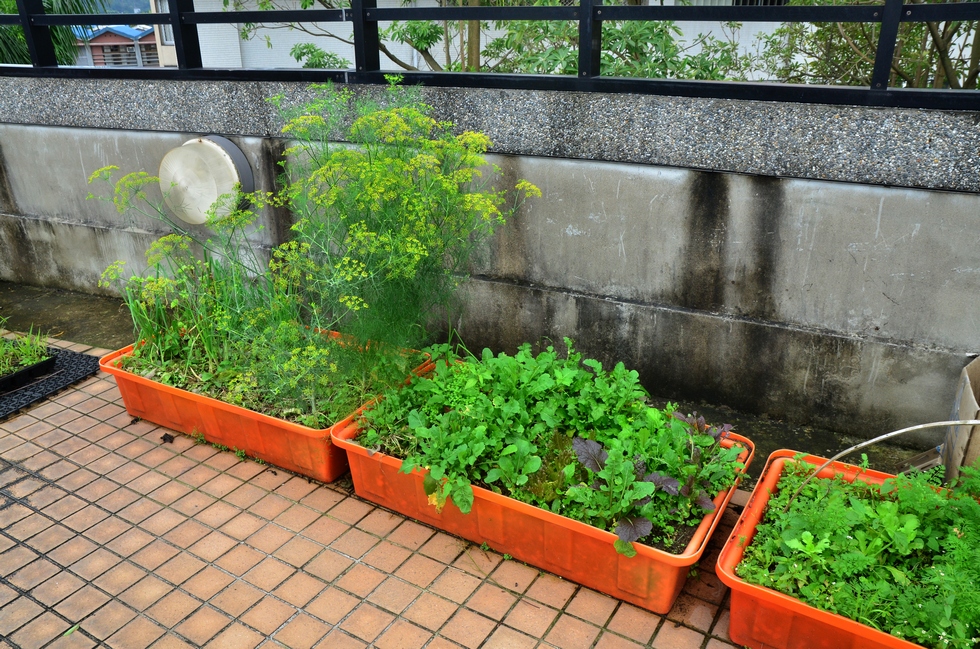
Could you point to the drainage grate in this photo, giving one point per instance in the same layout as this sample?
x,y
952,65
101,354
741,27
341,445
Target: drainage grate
x,y
69,368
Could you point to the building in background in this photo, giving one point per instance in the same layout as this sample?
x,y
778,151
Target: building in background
x,y
117,46
164,35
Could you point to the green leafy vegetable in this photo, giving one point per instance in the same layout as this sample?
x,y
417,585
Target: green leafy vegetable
x,y
563,434
901,558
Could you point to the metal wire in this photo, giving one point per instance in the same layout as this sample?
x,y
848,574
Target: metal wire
x,y
875,440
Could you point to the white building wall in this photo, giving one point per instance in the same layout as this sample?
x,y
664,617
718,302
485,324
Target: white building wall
x,y
219,43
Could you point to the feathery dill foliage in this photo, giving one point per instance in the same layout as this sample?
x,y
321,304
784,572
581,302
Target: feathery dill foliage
x,y
383,228
900,558
396,214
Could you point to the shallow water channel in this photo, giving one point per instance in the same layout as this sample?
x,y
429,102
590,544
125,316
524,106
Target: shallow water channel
x,y
104,322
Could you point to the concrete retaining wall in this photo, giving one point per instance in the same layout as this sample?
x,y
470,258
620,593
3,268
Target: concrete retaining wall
x,y
844,304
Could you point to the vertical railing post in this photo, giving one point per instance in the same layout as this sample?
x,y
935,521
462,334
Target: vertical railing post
x,y
38,37
187,43
589,39
891,18
367,53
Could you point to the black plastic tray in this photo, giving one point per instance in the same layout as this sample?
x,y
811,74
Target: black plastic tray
x,y
26,375
70,367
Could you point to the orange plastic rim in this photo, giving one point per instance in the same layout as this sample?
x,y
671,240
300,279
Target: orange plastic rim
x,y
565,547
763,618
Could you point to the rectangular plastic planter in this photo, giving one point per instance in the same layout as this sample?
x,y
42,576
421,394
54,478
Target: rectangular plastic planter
x,y
22,377
571,549
291,446
762,618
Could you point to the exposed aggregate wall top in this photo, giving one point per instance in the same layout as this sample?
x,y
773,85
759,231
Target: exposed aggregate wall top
x,y
880,146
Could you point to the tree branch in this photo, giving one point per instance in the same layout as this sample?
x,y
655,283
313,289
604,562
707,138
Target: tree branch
x,y
429,59
942,49
397,61
971,78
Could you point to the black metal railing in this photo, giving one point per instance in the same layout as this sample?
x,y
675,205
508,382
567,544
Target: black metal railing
x,y
365,16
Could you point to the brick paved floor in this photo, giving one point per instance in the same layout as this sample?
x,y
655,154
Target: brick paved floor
x,y
129,542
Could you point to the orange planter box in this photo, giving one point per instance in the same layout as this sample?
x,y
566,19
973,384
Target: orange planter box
x,y
763,618
291,446
568,548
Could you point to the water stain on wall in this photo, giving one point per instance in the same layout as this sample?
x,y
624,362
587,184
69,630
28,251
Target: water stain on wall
x,y
756,290
273,153
8,204
702,279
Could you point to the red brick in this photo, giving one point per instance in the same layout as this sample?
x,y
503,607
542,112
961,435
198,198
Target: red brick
x,y
455,584
403,635
672,636
237,598
137,634
107,620
634,623
40,631
332,605
16,614
430,611
173,608
302,632
693,612
202,625
410,535
268,615
394,595
572,633
420,570
468,628
367,622
530,618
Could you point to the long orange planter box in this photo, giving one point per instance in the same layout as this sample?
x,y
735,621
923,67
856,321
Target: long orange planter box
x,y
582,553
762,618
301,449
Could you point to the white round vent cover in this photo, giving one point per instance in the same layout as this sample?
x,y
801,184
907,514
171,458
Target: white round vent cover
x,y
195,175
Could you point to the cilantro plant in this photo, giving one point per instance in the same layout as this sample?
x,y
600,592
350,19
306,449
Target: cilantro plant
x,y
900,558
563,434
20,352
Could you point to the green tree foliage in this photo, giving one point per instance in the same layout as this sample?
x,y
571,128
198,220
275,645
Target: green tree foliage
x,y
13,46
928,55
653,50
312,56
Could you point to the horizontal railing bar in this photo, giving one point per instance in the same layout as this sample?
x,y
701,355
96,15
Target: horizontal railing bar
x,y
747,91
294,16
306,75
473,13
9,19
100,19
825,13
941,12
910,13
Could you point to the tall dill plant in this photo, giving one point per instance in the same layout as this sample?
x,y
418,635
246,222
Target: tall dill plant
x,y
391,216
385,225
